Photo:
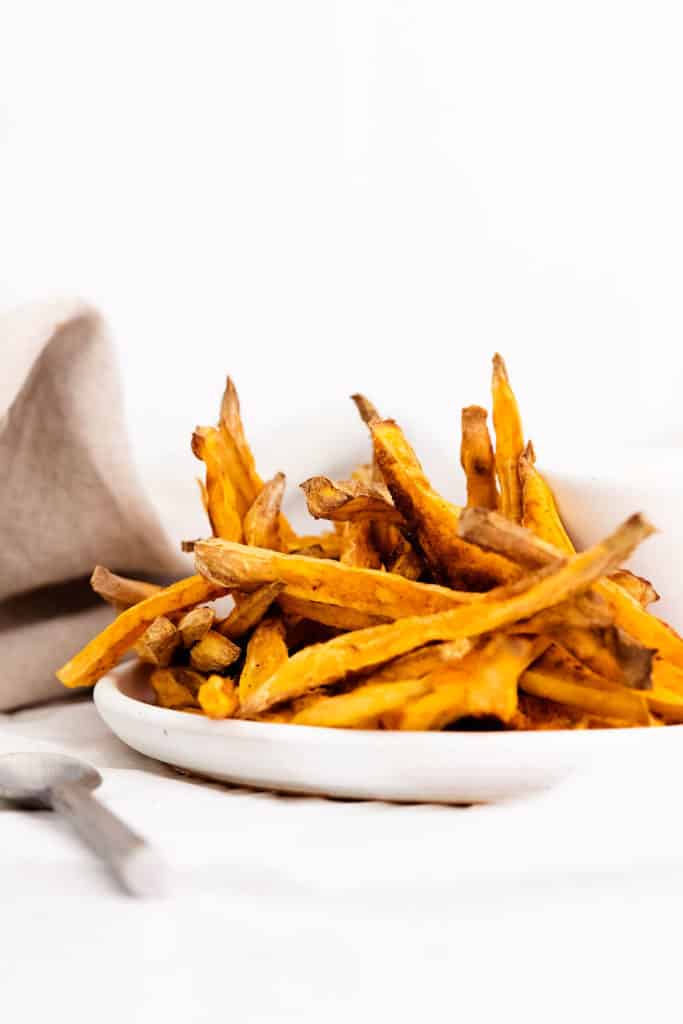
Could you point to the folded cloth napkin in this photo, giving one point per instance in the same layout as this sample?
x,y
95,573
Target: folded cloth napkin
x,y
70,497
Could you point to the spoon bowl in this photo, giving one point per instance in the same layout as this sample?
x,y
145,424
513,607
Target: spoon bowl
x,y
27,779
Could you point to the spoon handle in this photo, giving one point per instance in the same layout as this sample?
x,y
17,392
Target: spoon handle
x,y
134,863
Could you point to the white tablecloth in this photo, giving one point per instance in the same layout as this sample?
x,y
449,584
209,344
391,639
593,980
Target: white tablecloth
x,y
282,908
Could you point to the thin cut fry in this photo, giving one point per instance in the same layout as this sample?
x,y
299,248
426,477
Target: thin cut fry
x,y
666,676
477,459
433,519
158,643
610,653
322,580
667,704
213,653
586,612
195,624
218,697
494,532
326,663
225,506
266,653
509,441
328,614
638,588
349,500
321,545
483,683
109,646
358,548
119,590
539,509
249,610
618,703
434,660
368,412
362,706
172,689
262,521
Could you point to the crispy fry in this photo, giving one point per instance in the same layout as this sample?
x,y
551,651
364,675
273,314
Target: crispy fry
x,y
539,509
328,614
109,646
249,610
368,412
650,632
586,612
362,706
119,590
405,560
666,676
262,521
433,519
483,683
218,697
358,548
509,441
667,704
213,653
225,506
322,580
349,501
641,590
610,653
434,660
618,703
195,624
158,643
172,689
322,545
266,653
477,459
326,663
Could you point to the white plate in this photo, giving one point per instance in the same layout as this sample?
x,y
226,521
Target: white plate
x,y
447,767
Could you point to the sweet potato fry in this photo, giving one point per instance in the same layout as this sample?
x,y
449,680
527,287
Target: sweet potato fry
x,y
586,612
171,691
262,521
120,591
666,676
109,646
195,624
480,526
611,702
361,707
328,614
610,653
213,653
433,519
403,559
218,697
349,501
484,683
325,581
641,590
434,660
368,412
266,653
225,506
509,441
351,653
322,545
667,704
358,548
249,610
477,459
159,642
539,509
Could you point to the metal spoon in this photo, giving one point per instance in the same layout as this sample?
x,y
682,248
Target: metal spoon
x,y
65,784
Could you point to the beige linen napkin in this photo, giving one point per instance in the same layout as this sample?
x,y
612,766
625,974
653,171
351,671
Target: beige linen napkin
x,y
70,498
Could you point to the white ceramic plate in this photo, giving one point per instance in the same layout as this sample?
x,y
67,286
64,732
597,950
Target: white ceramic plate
x,y
447,767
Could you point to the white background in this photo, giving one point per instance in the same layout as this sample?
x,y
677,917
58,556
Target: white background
x,y
320,197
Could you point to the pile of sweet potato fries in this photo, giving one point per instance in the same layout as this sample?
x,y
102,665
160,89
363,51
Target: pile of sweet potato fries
x,y
408,612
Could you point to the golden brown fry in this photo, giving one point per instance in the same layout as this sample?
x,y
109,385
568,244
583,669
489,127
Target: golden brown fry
x,y
539,509
323,545
213,653
365,649
483,683
667,704
195,624
204,495
328,614
225,505
361,707
262,521
638,588
218,697
266,653
586,612
349,500
325,581
509,441
433,519
119,590
158,643
666,676
172,689
434,660
358,548
405,560
249,610
610,701
610,653
485,528
368,412
109,646
477,459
